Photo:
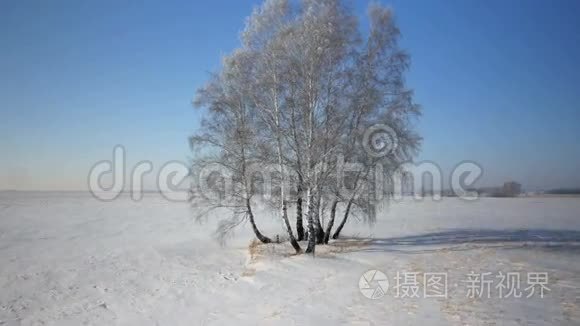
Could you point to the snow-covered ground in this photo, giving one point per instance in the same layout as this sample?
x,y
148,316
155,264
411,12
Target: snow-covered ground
x,y
69,259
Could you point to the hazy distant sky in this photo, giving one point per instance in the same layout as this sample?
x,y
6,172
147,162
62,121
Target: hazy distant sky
x,y
499,82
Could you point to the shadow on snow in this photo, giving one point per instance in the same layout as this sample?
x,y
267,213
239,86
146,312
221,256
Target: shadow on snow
x,y
468,239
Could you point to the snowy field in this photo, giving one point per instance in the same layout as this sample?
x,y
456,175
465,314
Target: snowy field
x,y
68,259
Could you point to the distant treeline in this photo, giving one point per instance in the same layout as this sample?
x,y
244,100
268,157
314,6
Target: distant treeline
x,y
569,191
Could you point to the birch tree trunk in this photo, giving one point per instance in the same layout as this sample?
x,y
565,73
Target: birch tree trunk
x,y
311,228
293,241
331,221
299,221
319,229
259,235
346,213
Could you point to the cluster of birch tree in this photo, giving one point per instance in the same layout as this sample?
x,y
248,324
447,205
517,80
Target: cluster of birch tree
x,y
301,90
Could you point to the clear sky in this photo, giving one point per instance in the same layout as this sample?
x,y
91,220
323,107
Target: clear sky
x,y
499,82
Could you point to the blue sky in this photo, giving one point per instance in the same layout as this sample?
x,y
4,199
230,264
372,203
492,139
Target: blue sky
x,y
499,82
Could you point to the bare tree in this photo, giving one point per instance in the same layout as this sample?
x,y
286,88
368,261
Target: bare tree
x,y
381,98
228,135
301,91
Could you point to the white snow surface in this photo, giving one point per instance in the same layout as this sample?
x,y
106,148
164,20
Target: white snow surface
x,y
69,259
